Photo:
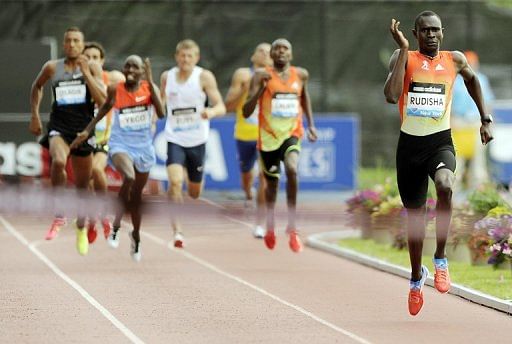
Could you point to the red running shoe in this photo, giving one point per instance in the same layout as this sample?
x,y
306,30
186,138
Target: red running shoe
x,y
107,227
92,232
270,239
57,224
295,242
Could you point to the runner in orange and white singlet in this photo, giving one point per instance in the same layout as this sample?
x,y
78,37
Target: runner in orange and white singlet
x,y
246,132
282,96
95,52
421,83
131,140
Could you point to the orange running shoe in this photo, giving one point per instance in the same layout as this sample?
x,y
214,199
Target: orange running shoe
x,y
441,276
295,242
270,239
415,300
106,227
92,232
57,223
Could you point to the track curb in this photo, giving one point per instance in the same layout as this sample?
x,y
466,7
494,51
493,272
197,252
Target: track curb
x,y
327,242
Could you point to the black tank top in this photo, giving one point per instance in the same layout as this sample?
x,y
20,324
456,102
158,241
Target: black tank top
x,y
73,107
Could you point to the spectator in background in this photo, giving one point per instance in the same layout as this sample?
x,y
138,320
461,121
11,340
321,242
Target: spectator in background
x,y
471,162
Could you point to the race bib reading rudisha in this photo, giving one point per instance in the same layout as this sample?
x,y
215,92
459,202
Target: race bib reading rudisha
x,y
135,118
426,100
285,105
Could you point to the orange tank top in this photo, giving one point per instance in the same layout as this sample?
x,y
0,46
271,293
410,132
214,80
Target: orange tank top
x,y
426,99
280,115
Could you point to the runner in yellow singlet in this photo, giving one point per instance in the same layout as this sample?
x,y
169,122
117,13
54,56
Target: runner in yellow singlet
x,y
246,131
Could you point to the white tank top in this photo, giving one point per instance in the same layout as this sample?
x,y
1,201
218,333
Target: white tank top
x,y
185,102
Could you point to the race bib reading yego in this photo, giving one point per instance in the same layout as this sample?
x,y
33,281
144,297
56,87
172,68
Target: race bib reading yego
x,y
185,119
253,118
70,92
135,118
285,105
426,100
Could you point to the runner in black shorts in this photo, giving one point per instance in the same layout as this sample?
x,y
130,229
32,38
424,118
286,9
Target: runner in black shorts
x,y
417,158
421,83
271,161
76,86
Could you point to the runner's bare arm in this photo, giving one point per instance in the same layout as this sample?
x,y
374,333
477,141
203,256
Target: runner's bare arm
x,y
239,85
93,78
209,85
102,111
306,105
256,89
163,84
155,92
475,91
395,82
36,94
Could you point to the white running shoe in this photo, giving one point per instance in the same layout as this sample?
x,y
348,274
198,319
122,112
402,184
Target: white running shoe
x,y
258,232
178,240
135,249
113,239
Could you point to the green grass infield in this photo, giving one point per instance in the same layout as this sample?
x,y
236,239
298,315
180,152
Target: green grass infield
x,y
484,278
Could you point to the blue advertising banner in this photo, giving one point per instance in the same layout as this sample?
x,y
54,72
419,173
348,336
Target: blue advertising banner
x,y
500,149
328,164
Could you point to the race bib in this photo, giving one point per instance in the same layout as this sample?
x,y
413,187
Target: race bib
x,y
426,100
70,92
185,119
253,118
135,118
285,105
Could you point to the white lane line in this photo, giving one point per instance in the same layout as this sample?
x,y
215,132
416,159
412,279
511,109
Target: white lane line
x,y
220,206
33,247
254,287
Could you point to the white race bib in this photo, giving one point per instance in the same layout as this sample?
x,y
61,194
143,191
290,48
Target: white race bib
x,y
285,105
70,92
426,100
185,119
135,118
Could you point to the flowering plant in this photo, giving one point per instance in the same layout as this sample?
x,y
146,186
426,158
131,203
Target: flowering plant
x,y
498,224
371,199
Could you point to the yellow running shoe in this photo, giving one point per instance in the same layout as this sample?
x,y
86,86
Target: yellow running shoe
x,y
82,242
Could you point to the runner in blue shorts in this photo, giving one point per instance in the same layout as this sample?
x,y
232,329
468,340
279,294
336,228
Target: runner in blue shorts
x,y
131,146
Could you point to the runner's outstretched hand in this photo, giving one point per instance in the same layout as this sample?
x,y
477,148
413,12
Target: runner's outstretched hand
x,y
398,35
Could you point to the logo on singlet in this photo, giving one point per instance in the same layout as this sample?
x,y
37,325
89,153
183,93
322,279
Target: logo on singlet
x,y
425,65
